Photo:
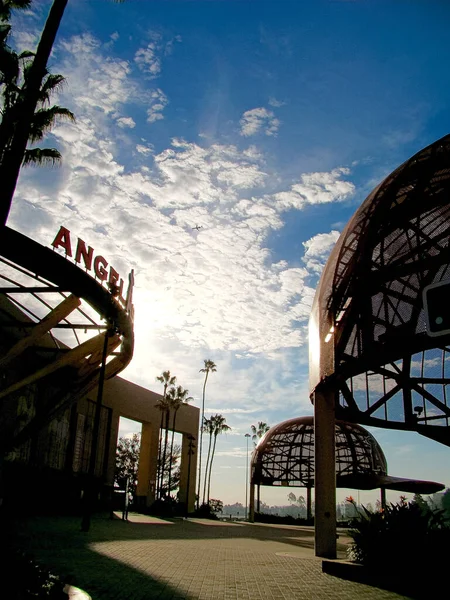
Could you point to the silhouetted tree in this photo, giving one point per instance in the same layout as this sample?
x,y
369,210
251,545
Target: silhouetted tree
x,y
219,426
210,367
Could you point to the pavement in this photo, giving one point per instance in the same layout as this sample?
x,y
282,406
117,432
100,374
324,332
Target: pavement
x,y
149,558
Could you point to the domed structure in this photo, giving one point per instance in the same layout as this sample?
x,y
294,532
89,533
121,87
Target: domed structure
x,y
368,328
374,358
285,457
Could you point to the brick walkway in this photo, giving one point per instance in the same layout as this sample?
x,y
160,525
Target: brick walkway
x,y
149,558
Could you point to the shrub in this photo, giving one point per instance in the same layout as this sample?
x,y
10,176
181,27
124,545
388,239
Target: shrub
x,y
400,538
24,578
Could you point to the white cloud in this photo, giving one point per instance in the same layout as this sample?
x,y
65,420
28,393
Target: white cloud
x,y
148,61
276,103
97,83
146,150
125,122
316,188
259,120
317,250
158,102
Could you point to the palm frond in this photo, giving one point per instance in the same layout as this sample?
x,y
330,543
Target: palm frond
x,y
41,157
45,118
51,84
6,6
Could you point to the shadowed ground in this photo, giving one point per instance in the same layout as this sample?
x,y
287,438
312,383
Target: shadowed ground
x,y
148,558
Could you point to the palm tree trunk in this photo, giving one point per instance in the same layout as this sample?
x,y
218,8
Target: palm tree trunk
x,y
10,166
200,445
206,467
171,448
210,465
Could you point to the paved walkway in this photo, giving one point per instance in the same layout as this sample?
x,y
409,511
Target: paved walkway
x,y
148,558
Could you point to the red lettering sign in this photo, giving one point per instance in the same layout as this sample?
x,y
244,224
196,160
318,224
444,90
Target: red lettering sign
x,y
86,255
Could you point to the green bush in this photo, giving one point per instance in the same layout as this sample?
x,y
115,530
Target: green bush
x,y
405,537
25,579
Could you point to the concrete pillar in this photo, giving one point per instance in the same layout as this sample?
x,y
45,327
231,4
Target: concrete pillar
x,y
308,503
188,472
113,439
325,471
148,460
251,517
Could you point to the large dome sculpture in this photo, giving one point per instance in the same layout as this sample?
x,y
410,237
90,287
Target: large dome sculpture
x,y
368,331
285,457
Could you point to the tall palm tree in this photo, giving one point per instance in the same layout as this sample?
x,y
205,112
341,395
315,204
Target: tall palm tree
x,y
210,366
259,431
167,380
207,427
176,397
219,426
44,117
13,159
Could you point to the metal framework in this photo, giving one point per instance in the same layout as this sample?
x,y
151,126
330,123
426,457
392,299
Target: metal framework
x,y
56,323
285,457
368,335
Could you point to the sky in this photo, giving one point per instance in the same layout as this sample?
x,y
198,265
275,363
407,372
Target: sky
x,y
263,123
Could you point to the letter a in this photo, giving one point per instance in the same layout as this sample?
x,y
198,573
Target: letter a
x,y
63,239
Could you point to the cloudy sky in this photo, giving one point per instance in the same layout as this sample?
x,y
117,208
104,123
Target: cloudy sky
x,y
263,123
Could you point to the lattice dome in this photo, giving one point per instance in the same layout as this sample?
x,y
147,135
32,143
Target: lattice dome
x,y
285,457
368,325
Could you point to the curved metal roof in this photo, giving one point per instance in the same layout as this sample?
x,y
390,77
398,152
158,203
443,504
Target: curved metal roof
x,y
368,327
285,457
56,322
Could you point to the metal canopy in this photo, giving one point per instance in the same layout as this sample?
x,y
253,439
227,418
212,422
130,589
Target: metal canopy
x,y
285,457
54,321
368,335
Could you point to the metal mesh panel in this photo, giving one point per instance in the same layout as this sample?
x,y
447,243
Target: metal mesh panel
x,y
285,456
370,298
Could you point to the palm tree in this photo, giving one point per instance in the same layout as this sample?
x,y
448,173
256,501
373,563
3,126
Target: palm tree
x,y
259,431
207,427
220,426
13,159
177,397
44,117
167,380
6,6
210,366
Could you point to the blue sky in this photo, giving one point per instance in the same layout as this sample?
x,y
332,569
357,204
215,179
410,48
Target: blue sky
x,y
267,123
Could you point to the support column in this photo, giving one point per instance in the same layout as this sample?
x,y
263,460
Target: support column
x,y
325,471
111,454
251,517
188,471
148,460
308,503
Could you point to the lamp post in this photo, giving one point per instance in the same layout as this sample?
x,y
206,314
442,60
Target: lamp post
x,y
247,435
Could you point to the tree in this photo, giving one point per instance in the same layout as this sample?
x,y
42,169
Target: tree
x,y
44,117
176,397
171,470
13,158
210,366
216,506
127,461
207,427
167,380
259,431
219,426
